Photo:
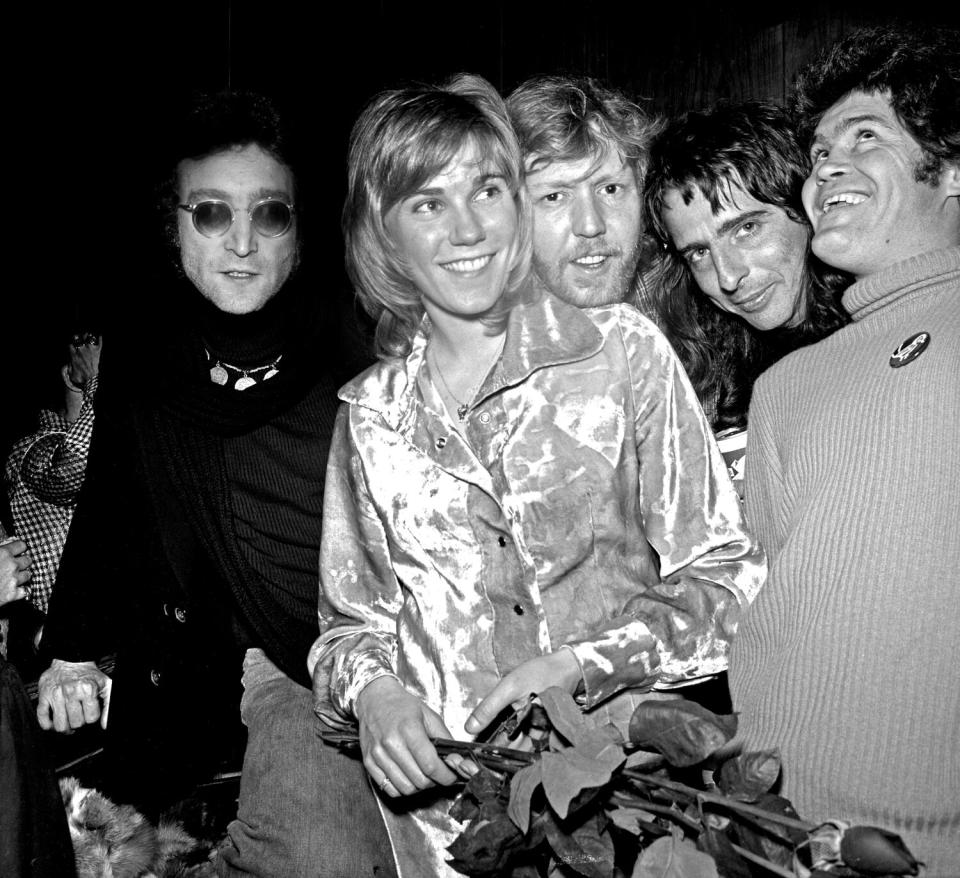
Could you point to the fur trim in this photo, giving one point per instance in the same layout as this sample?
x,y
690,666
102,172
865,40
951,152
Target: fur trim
x,y
117,841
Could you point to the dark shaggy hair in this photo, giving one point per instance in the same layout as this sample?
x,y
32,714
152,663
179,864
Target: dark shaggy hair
x,y
752,145
918,69
215,123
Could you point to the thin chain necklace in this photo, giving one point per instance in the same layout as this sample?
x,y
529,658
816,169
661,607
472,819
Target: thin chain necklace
x,y
220,375
464,407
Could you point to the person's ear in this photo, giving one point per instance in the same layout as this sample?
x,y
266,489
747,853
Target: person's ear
x,y
952,174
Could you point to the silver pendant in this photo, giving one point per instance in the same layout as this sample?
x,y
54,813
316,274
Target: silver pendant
x,y
462,411
218,375
244,382
270,373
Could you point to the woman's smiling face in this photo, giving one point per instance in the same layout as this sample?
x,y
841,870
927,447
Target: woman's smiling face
x,y
457,236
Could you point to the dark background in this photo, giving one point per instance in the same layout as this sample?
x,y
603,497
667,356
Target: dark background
x,y
90,92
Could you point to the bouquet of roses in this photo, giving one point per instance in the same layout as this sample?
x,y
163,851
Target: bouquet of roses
x,y
586,802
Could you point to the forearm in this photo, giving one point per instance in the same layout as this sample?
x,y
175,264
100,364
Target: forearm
x,y
678,628
359,593
342,667
53,466
672,633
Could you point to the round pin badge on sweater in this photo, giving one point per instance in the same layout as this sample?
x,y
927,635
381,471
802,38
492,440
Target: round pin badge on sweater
x,y
910,349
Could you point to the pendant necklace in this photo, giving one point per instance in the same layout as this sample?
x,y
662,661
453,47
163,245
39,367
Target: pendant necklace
x,y
220,372
464,407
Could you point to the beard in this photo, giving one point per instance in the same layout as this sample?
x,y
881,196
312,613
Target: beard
x,y
611,286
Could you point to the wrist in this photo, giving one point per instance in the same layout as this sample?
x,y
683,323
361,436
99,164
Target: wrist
x,y
68,381
572,669
377,688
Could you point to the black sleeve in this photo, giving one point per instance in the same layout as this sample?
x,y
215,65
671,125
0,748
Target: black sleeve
x,y
82,620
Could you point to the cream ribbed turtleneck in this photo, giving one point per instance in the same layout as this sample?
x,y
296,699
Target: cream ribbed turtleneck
x,y
849,660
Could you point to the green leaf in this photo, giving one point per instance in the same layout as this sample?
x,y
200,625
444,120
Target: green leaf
x,y
565,715
633,820
522,787
748,776
539,824
770,840
670,857
567,773
484,848
644,760
717,844
587,849
683,731
464,807
484,786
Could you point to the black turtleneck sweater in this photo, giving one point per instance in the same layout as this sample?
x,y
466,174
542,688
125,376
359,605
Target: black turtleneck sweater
x,y
199,495
276,476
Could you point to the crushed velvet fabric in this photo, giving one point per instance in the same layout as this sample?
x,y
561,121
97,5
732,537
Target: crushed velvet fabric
x,y
582,502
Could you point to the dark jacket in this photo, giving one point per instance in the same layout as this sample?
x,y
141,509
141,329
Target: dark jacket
x,y
138,579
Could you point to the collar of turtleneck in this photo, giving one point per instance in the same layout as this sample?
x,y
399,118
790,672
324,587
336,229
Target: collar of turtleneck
x,y
249,340
905,278
202,334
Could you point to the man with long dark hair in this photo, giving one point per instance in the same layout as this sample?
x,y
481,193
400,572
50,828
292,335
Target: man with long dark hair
x,y
736,287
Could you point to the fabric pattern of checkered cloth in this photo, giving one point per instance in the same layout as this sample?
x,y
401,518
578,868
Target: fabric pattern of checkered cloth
x,y
4,622
43,477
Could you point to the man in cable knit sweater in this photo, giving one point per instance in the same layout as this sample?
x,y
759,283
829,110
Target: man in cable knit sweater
x,y
848,659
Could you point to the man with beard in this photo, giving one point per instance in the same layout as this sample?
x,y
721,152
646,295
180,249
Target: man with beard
x,y
194,548
585,150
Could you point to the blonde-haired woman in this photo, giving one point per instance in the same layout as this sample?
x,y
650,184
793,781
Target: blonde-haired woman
x,y
504,506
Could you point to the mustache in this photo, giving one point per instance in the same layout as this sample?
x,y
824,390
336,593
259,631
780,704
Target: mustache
x,y
594,246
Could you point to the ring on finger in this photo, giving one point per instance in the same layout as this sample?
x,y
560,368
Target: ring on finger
x,y
385,783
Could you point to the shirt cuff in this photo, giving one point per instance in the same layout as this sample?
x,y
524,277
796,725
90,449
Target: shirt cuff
x,y
622,657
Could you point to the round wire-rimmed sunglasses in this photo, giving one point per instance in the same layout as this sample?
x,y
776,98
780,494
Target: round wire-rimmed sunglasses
x,y
213,218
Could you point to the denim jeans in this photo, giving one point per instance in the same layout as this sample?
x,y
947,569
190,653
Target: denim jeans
x,y
306,809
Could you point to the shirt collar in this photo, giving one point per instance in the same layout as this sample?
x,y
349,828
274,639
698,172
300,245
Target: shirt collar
x,y
542,331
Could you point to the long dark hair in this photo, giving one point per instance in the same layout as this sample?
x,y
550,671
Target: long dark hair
x,y
752,145
722,353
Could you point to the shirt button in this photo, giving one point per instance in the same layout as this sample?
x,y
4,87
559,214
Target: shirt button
x,y
441,442
501,541
180,613
155,677
484,417
518,609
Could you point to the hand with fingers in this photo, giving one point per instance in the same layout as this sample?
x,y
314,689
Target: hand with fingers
x,y
15,572
84,359
559,668
395,732
70,696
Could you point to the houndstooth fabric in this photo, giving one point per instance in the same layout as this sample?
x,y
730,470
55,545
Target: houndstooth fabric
x,y
43,476
4,622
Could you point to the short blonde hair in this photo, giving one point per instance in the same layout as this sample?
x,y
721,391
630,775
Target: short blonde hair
x,y
403,138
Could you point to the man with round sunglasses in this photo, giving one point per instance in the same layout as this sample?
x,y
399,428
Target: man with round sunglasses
x,y
212,218
194,548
